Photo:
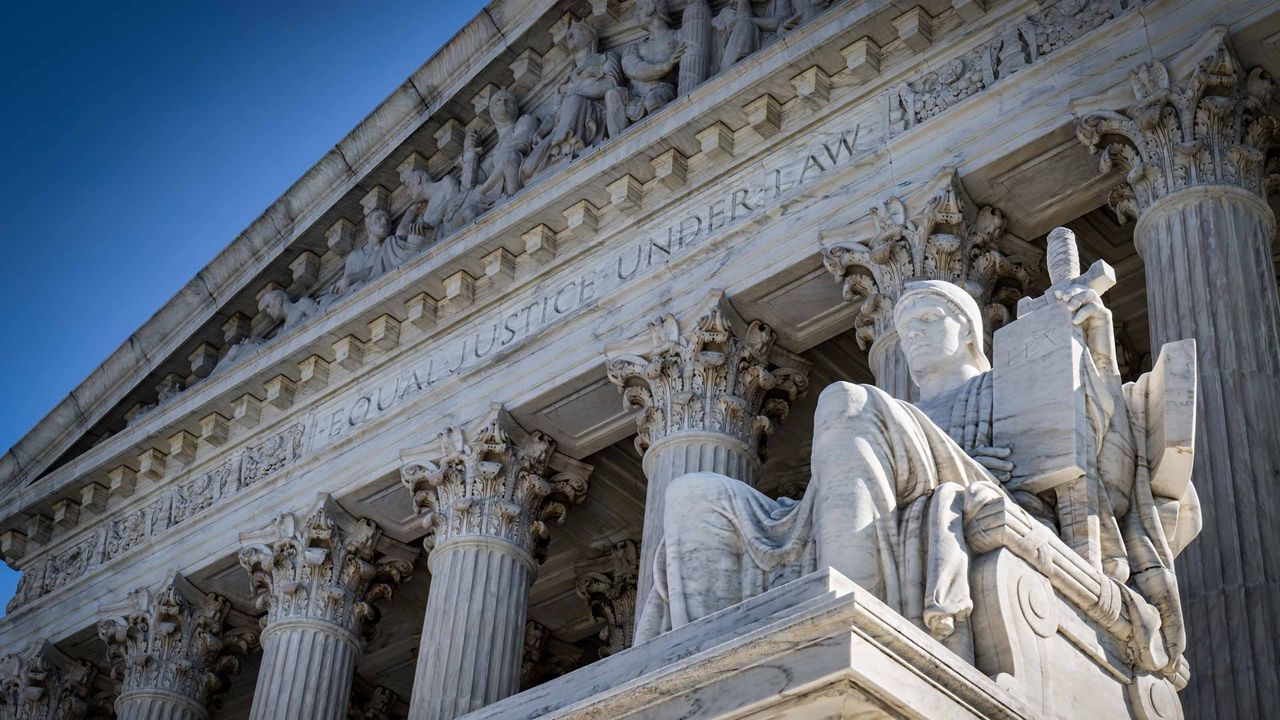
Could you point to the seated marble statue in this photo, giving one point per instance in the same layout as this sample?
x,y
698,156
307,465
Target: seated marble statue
x,y
891,484
382,250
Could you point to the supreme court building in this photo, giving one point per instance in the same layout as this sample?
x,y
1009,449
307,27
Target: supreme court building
x,y
418,443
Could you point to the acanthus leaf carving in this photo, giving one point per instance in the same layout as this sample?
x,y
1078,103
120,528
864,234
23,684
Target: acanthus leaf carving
x,y
721,375
948,239
174,639
494,481
608,585
1218,127
41,683
325,565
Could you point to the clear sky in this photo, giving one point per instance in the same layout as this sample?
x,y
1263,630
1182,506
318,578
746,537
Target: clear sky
x,y
139,138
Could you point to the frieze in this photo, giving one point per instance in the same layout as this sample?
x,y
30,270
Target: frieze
x,y
1018,44
556,300
175,505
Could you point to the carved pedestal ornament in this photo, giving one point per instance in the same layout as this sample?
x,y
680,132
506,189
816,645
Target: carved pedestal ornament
x,y
709,392
1197,149
608,586
318,577
947,238
486,497
41,683
171,650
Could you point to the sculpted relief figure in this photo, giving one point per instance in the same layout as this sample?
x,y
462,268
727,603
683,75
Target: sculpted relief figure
x,y
650,62
893,481
382,250
503,172
591,100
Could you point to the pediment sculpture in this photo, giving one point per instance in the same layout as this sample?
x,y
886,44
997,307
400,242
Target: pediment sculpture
x,y
1103,467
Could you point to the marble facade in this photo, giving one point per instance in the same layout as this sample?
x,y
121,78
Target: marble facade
x,y
419,442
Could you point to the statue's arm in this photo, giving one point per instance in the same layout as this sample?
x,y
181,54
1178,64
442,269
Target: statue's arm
x,y
637,68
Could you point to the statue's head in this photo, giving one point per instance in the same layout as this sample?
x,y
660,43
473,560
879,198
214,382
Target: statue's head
x,y
580,35
940,328
647,9
378,223
503,107
272,304
416,179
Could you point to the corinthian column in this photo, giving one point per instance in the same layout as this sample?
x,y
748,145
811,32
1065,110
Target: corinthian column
x,y
1194,156
946,238
317,577
171,651
709,393
486,498
40,683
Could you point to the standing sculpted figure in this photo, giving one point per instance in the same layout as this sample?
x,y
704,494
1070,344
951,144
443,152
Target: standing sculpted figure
x,y
651,61
892,481
591,100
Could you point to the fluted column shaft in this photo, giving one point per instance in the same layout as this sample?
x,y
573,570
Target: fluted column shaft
x,y
158,705
473,633
307,670
486,497
669,458
1210,277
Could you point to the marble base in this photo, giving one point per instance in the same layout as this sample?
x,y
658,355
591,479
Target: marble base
x,y
819,646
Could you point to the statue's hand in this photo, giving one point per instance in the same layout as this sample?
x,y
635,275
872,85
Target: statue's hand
x,y
994,459
1084,303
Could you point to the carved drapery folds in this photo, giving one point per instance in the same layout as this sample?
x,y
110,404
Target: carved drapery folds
x,y
174,639
495,481
41,683
719,375
946,238
1216,128
608,585
325,565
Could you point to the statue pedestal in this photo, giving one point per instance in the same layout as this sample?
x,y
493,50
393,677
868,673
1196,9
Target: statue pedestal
x,y
1052,636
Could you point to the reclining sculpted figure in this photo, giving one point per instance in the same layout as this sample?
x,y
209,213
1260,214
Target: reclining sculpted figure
x,y
892,482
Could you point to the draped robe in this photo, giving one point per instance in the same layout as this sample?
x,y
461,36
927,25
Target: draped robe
x,y
884,507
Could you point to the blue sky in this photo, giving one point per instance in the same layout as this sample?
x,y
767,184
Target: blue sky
x,y
139,138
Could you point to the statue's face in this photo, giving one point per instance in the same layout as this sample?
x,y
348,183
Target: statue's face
x,y
379,224
273,304
645,9
934,335
502,106
578,37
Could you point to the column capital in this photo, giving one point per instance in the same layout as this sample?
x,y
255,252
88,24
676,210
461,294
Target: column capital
x,y
1201,121
324,566
174,639
494,481
608,585
946,237
41,683
716,373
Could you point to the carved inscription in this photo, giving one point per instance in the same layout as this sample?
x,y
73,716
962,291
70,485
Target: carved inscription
x,y
510,325
175,506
